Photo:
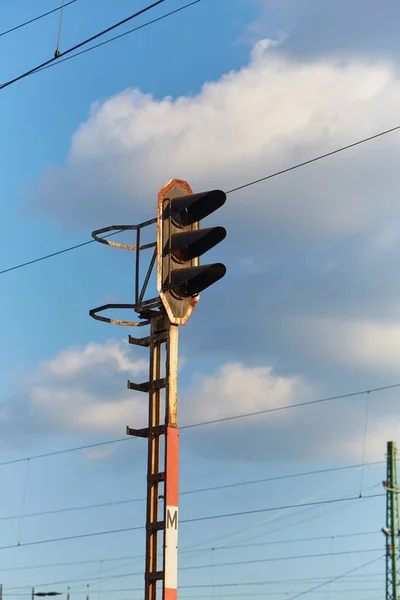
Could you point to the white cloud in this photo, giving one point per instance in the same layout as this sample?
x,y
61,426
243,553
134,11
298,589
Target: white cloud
x,y
352,343
236,389
272,113
93,400
328,431
75,360
82,390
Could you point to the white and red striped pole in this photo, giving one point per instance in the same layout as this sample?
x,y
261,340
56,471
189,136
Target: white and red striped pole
x,y
171,470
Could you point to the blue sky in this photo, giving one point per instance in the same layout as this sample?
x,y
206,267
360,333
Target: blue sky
x,y
220,94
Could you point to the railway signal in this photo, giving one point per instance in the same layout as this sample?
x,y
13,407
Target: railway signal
x,y
180,243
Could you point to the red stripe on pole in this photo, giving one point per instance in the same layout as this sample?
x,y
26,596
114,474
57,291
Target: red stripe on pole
x,y
172,466
170,594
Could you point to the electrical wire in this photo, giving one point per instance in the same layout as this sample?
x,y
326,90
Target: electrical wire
x,y
195,520
249,530
313,589
52,254
121,35
279,558
186,492
185,552
211,422
286,407
49,12
284,594
57,52
273,508
256,594
231,191
315,159
269,593
83,43
360,578
205,566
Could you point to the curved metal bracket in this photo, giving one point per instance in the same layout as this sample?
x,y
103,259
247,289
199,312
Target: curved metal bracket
x,y
115,229
94,314
118,228
141,306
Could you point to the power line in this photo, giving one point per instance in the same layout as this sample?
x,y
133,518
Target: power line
x,y
256,594
196,520
269,593
187,492
315,159
288,406
121,35
78,536
350,579
57,253
49,12
278,559
287,541
211,422
14,461
275,508
181,552
313,589
236,189
80,44
280,477
207,566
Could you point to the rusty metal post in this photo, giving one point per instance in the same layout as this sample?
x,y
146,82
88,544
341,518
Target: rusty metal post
x,y
154,476
162,509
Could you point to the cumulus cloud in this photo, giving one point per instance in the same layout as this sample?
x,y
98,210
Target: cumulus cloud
x,y
311,28
81,391
268,115
238,389
329,431
313,281
355,344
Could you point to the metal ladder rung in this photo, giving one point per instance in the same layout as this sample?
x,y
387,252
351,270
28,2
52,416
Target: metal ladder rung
x,y
145,432
156,478
155,576
157,526
158,384
146,341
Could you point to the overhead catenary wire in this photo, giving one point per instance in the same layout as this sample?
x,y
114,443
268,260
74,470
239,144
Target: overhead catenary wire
x,y
244,532
210,422
188,492
37,18
257,594
57,52
359,578
364,441
279,559
273,508
231,191
333,579
185,552
267,593
121,35
286,407
195,520
81,44
205,566
200,566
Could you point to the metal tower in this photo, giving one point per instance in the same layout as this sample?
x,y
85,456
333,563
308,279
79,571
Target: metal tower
x,y
391,531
